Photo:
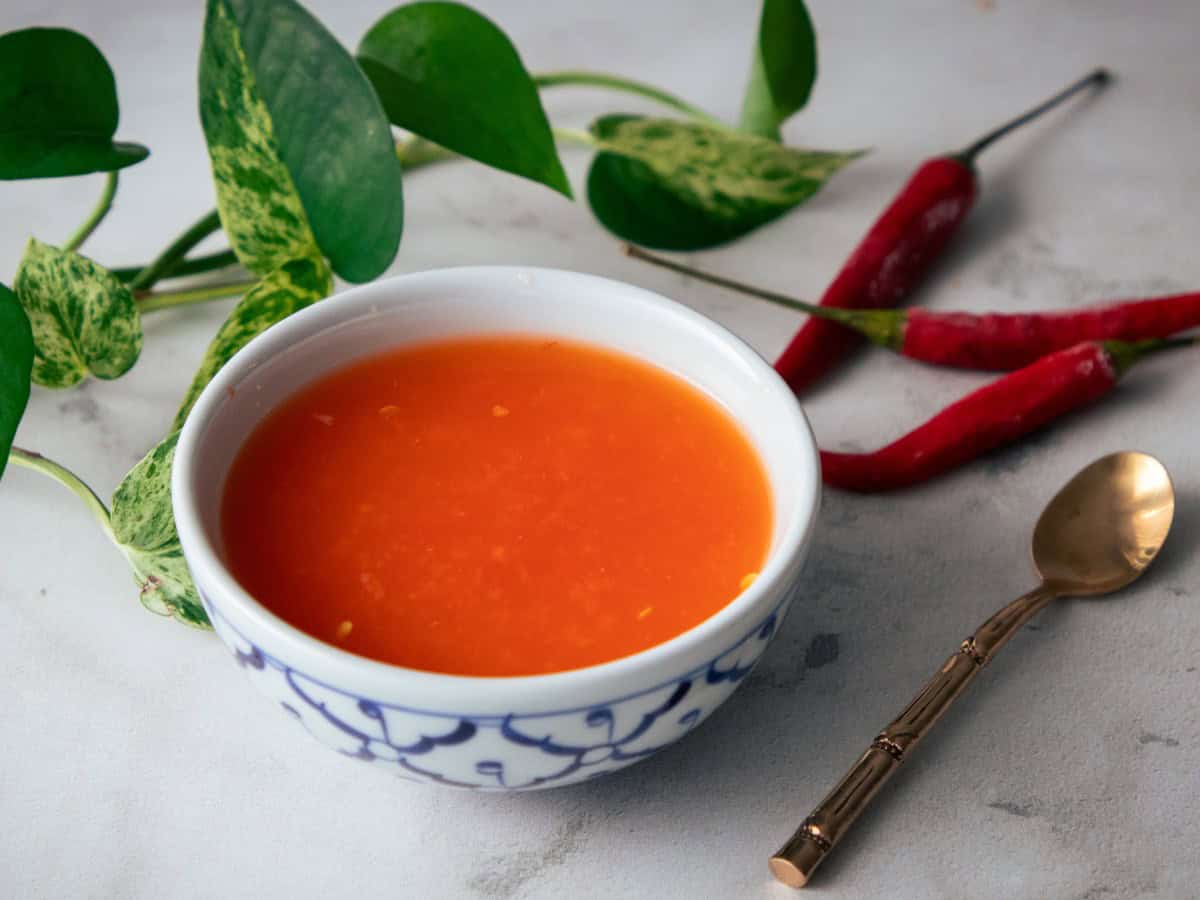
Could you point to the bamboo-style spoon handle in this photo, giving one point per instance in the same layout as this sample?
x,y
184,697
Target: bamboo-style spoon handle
x,y
825,826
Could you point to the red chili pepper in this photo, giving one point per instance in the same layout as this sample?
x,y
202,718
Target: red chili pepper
x,y
1008,408
889,262
990,341
1002,342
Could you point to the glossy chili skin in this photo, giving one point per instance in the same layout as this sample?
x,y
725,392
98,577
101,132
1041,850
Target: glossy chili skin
x,y
887,264
1004,341
998,413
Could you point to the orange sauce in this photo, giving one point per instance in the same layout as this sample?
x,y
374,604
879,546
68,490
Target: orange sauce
x,y
496,506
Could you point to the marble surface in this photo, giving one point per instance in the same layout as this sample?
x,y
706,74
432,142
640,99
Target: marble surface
x,y
138,763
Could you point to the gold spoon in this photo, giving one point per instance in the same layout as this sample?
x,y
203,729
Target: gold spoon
x,y
1097,535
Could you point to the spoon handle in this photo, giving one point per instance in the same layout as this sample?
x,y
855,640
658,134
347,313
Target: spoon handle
x,y
825,826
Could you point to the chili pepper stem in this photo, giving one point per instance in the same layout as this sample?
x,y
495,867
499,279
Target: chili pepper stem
x,y
1125,353
1098,78
883,327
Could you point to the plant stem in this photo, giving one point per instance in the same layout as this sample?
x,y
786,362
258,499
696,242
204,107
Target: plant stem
x,y
103,205
416,151
152,301
412,153
166,261
223,259
67,479
612,82
576,136
1098,78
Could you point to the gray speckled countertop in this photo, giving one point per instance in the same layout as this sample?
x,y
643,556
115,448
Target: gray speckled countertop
x,y
137,762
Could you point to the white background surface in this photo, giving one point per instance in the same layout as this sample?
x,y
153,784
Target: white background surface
x,y
137,762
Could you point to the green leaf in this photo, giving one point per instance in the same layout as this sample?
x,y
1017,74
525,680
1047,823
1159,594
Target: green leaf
x,y
84,320
58,107
143,520
143,524
685,186
296,284
259,206
16,361
783,70
448,74
301,150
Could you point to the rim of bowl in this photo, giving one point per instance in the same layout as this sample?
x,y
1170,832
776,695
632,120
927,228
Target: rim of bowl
x,y
356,302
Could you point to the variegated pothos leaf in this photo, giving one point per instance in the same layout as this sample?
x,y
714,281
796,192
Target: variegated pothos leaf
x,y
144,526
686,185
84,320
724,173
143,519
294,285
260,208
301,148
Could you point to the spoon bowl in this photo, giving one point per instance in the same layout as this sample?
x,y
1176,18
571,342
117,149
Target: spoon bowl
x,y
1104,527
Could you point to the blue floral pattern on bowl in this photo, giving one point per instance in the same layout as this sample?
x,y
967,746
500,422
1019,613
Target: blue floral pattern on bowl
x,y
502,752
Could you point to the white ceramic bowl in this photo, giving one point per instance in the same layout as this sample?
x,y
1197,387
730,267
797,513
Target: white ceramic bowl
x,y
496,733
